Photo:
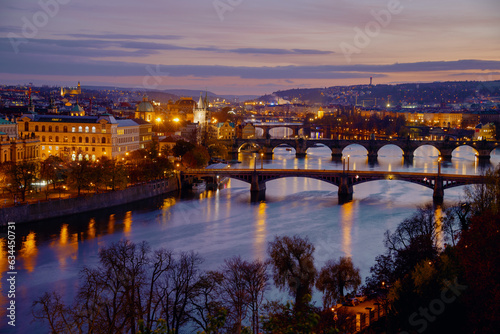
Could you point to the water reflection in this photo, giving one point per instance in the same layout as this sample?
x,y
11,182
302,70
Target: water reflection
x,y
66,247
260,233
346,222
29,252
127,223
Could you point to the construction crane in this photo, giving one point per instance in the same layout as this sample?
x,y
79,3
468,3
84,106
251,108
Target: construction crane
x,y
28,92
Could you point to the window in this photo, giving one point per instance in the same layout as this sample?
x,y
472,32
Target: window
x,y
65,129
93,140
87,129
43,128
43,138
80,129
57,129
65,139
43,147
50,128
93,149
80,139
93,129
26,126
73,129
50,138
36,128
104,149
103,140
57,148
57,139
74,139
87,140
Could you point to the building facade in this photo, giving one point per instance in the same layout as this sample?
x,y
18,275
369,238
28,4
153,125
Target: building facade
x,y
73,137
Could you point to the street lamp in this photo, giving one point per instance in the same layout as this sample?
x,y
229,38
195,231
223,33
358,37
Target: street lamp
x,y
348,163
262,161
335,318
439,165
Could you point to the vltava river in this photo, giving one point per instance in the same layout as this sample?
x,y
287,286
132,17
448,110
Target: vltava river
x,y
221,224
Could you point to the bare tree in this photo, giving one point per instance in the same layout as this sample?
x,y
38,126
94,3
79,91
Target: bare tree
x,y
235,290
292,264
335,277
207,307
256,279
130,289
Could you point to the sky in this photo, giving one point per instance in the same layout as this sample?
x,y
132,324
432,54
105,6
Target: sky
x,y
247,46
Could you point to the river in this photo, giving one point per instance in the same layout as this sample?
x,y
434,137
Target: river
x,y
221,224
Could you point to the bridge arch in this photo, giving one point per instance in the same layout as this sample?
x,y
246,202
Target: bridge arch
x,y
385,150
466,149
427,150
249,146
354,149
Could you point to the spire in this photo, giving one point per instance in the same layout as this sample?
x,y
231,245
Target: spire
x,y
200,102
206,100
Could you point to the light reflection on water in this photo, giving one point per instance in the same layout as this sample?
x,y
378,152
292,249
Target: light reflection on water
x,y
223,223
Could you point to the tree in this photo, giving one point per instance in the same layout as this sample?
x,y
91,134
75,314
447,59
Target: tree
x,y
131,289
207,307
234,287
335,277
80,175
20,177
197,157
415,239
182,147
292,264
114,174
256,278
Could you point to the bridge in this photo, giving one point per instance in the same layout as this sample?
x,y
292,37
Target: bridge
x,y
301,145
345,180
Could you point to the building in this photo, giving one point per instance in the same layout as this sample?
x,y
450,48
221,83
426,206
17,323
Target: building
x,y
201,114
9,128
226,130
127,139
168,143
485,132
145,132
248,131
76,110
145,110
73,137
25,148
71,91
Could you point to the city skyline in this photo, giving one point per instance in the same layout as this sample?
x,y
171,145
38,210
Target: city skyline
x,y
243,47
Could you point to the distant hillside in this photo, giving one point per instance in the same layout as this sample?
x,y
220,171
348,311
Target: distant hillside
x,y
435,92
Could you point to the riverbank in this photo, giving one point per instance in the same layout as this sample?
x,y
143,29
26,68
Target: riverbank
x,y
70,206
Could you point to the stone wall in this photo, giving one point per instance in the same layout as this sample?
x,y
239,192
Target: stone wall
x,y
69,206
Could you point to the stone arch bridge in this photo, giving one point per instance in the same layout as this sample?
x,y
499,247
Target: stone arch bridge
x,y
445,147
344,180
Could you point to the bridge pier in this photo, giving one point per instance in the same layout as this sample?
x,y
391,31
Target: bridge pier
x,y
345,190
446,154
438,195
257,189
336,154
268,152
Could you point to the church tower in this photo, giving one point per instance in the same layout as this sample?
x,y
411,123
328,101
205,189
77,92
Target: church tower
x,y
201,114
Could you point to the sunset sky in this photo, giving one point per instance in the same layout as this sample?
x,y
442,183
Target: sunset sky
x,y
247,47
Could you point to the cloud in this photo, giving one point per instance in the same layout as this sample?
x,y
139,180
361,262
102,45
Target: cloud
x,y
125,36
40,45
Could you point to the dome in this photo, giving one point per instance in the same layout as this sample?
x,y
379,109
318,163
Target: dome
x,y
76,108
145,105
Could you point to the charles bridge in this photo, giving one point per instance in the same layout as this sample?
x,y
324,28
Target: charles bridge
x,y
482,148
344,179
